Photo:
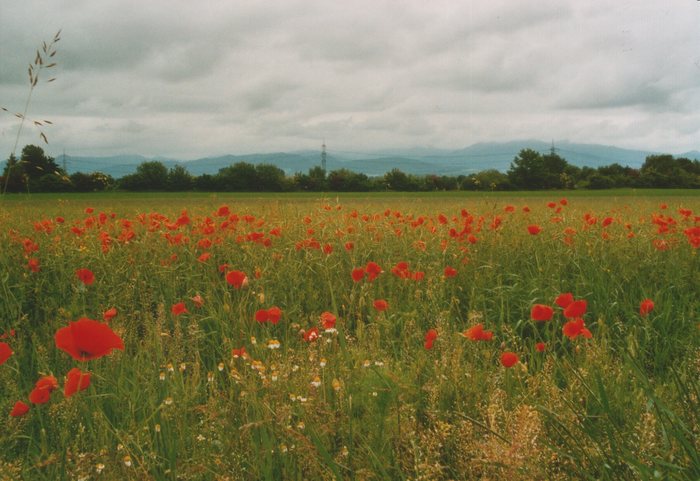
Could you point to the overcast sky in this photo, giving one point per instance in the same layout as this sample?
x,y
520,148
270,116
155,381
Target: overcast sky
x,y
187,79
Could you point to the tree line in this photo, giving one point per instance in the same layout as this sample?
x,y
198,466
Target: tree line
x,y
34,171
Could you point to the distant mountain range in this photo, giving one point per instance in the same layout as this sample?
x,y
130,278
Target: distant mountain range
x,y
421,161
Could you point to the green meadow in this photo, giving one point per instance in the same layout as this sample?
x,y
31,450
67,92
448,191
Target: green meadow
x,y
232,370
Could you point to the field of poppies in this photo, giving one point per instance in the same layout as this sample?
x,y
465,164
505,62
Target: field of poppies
x,y
290,337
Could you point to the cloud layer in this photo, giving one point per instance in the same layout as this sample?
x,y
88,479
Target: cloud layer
x,y
187,79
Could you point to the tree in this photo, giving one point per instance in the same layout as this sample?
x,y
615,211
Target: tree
x,y
32,166
93,182
531,170
179,179
398,180
239,177
270,178
344,180
314,181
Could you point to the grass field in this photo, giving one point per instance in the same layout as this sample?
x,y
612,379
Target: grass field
x,y
244,336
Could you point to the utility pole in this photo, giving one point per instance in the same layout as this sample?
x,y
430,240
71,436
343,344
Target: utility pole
x,y
323,155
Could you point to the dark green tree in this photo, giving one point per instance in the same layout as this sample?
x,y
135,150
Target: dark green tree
x,y
270,178
179,179
239,177
33,165
344,180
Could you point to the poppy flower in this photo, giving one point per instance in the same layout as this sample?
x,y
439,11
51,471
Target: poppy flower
x,y
7,335
109,314
575,328
42,390
477,333
541,312
76,381
261,315
328,320
430,337
509,359
534,229
450,271
5,352
540,347
178,308
575,309
198,301
33,264
358,274
19,409
274,314
373,270
85,276
86,339
237,279
381,305
645,307
241,352
311,335
563,300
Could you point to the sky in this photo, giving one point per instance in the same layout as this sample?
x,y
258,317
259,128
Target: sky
x,y
185,79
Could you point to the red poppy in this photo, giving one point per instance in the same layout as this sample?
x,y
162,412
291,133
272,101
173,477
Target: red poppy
x,y
223,211
450,271
7,335
19,409
274,314
237,279
430,337
534,229
311,335
236,353
373,270
178,308
541,312
381,305
109,314
645,307
5,352
349,246
76,381
87,339
575,309
540,347
33,264
42,390
328,320
358,274
575,328
86,276
563,300
261,315
509,359
477,333
198,301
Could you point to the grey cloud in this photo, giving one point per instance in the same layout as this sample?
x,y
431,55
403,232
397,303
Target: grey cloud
x,y
169,77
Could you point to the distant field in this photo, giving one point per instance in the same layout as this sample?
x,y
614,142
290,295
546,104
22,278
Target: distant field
x,y
451,335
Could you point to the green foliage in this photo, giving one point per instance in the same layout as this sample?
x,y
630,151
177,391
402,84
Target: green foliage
x,y
530,170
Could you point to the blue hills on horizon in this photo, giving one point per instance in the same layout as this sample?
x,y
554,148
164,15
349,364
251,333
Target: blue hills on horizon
x,y
419,161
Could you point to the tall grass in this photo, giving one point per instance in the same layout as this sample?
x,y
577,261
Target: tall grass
x,y
176,404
